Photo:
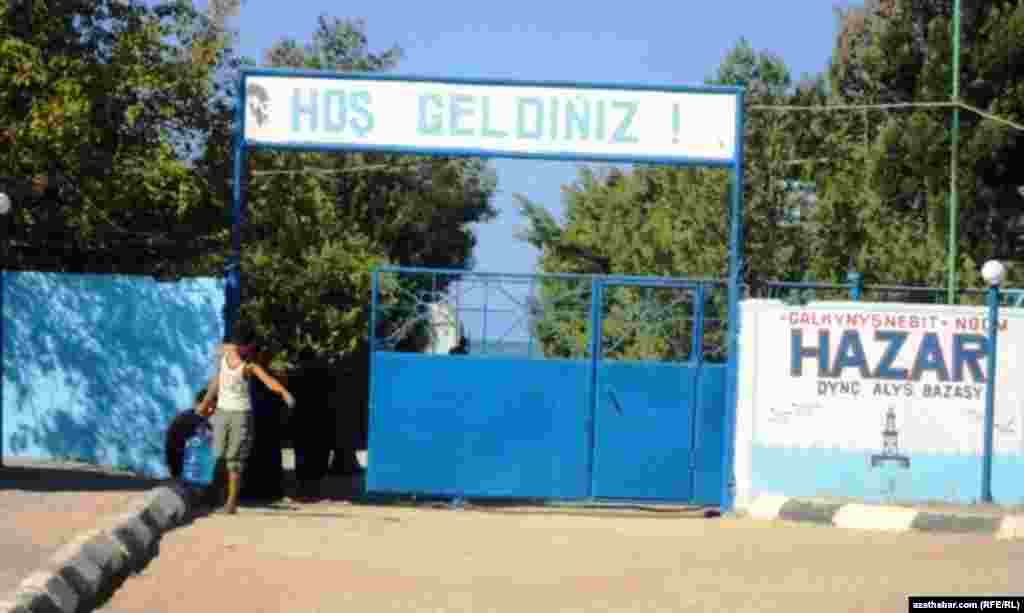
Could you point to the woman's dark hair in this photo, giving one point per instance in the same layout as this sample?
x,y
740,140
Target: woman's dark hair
x,y
241,334
200,395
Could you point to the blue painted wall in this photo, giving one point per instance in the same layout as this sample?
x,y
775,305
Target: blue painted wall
x,y
951,477
96,366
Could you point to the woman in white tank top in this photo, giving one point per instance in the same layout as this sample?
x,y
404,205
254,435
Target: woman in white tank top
x,y
233,385
232,410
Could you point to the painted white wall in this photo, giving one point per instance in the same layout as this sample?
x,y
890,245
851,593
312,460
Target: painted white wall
x,y
781,416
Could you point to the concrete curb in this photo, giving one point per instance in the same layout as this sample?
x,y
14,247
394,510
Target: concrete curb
x,y
86,571
884,518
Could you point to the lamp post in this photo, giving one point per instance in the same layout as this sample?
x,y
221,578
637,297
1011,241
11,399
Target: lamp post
x,y
856,281
954,202
5,208
993,272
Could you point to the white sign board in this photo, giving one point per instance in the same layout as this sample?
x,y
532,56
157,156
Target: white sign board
x,y
512,120
888,383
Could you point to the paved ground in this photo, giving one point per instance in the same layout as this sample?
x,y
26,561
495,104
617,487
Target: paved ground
x,y
336,557
44,505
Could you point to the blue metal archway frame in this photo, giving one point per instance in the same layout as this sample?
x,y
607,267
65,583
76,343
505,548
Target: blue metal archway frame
x,y
233,267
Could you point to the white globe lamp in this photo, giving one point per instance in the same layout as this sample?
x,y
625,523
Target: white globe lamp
x,y
993,272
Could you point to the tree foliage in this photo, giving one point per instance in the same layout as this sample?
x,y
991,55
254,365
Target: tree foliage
x,y
105,107
900,51
879,179
674,222
665,221
116,123
332,218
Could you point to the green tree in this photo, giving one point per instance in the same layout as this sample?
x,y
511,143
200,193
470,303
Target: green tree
x,y
321,222
664,221
674,221
104,109
885,200
879,178
117,122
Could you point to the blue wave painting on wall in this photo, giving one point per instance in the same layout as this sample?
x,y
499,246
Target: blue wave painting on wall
x,y
96,366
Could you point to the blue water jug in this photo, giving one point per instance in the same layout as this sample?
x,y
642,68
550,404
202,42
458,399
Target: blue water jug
x,y
199,461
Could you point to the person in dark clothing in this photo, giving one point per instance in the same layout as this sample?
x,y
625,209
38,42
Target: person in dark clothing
x,y
462,348
182,427
350,398
312,427
263,479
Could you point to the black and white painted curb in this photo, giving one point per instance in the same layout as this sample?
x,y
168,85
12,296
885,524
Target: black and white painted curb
x,y
87,570
884,518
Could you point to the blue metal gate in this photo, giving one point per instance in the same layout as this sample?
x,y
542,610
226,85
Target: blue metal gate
x,y
570,387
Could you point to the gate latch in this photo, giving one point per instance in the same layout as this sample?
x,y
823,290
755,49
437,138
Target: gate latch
x,y
615,401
